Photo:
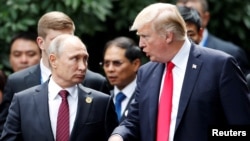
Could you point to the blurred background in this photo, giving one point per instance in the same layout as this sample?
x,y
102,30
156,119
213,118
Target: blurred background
x,y
98,21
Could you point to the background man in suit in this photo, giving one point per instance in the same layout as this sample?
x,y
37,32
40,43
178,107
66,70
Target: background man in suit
x,y
211,41
3,79
208,88
49,26
34,112
122,59
24,51
193,23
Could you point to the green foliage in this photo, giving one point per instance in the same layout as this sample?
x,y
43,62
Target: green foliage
x,y
230,19
22,15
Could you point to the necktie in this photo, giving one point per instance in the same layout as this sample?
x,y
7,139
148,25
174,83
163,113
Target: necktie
x,y
118,100
165,106
62,129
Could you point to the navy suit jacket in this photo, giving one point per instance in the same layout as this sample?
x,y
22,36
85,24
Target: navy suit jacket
x,y
213,93
29,120
230,48
31,76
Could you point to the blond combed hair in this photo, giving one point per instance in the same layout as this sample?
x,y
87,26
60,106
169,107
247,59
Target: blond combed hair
x,y
55,20
163,17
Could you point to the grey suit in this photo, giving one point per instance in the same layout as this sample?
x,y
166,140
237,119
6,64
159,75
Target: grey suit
x,y
31,76
29,120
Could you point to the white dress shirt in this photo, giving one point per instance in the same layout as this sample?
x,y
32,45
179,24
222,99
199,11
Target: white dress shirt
x,y
180,61
45,72
55,101
128,92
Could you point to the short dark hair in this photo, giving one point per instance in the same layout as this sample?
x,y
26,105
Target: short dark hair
x,y
27,35
132,50
190,15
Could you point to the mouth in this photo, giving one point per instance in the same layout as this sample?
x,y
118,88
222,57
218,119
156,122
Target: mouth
x,y
111,78
80,76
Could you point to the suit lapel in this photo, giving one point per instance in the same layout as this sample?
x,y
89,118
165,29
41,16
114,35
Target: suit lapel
x,y
85,101
192,72
153,92
125,113
41,104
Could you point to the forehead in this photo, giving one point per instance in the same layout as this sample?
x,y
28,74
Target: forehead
x,y
24,44
145,29
51,34
192,26
114,52
74,48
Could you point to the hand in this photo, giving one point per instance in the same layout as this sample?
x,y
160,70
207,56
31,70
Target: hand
x,y
115,137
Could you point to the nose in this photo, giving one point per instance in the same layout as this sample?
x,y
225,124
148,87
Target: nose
x,y
141,42
24,59
82,65
109,67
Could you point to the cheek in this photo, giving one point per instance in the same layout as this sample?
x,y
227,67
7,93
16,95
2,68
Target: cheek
x,y
124,71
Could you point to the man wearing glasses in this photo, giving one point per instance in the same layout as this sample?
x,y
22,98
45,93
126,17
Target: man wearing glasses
x,y
122,59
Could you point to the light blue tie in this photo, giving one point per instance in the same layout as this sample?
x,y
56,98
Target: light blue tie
x,y
118,100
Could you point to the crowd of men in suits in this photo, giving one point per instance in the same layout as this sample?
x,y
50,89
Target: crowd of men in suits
x,y
202,86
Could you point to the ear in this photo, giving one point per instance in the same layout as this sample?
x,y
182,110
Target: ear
x,y
40,42
52,60
136,64
200,33
169,37
205,18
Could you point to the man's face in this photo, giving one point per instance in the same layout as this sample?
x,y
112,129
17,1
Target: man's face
x,y
24,53
193,32
51,34
153,44
118,69
69,68
196,4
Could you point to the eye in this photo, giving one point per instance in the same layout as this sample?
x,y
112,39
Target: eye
x,y
117,63
31,53
106,63
16,54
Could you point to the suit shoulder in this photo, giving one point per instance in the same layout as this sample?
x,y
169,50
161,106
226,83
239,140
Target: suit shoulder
x,y
212,52
150,66
90,75
94,92
28,91
223,45
22,73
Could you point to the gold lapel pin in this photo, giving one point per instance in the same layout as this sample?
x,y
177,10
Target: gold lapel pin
x,y
88,99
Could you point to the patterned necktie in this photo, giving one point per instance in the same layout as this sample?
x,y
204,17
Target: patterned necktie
x,y
165,106
118,100
62,129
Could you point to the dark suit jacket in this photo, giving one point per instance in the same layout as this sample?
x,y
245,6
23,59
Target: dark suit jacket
x,y
125,113
28,117
213,93
31,76
230,48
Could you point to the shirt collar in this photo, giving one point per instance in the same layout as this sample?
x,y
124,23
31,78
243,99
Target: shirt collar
x,y
128,90
180,59
45,72
54,88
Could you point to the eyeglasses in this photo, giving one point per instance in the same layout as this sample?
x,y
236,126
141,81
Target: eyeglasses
x,y
115,63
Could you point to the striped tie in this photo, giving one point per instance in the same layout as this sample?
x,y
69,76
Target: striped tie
x,y
62,129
